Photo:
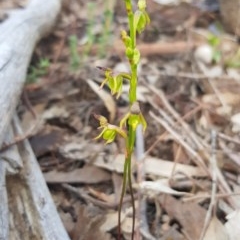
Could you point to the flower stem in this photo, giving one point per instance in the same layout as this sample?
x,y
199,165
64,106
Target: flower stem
x,y
127,175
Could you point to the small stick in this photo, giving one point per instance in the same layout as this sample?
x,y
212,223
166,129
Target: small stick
x,y
141,211
212,206
83,195
196,157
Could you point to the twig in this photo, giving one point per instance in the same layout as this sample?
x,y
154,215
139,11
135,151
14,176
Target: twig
x,y
218,196
147,49
83,195
176,115
212,206
227,138
194,76
162,136
21,138
223,184
196,157
141,211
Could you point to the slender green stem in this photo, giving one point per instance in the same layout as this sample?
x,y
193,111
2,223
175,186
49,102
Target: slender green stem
x,y
134,117
131,193
133,82
130,148
127,175
130,21
133,85
121,197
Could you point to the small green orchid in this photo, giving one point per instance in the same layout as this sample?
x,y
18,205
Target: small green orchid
x,y
137,22
115,82
126,39
134,117
141,18
109,131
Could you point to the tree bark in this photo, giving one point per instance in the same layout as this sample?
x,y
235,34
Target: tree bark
x,y
19,34
27,210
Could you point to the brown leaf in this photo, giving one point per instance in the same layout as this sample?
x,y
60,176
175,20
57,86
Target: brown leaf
x,y
101,195
88,227
111,221
154,166
87,174
189,215
46,141
106,97
215,231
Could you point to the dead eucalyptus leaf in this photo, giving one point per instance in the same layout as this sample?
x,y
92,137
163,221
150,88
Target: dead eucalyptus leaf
x,y
88,227
189,214
216,231
79,175
232,225
160,187
111,221
126,228
106,97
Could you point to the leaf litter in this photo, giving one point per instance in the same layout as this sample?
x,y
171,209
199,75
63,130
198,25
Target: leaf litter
x,y
183,98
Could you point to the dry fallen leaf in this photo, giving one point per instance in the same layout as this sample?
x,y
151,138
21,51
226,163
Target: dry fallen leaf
x,y
160,186
87,174
154,166
88,227
215,230
232,225
111,221
67,221
101,195
235,119
28,120
55,112
189,215
126,228
106,97
164,168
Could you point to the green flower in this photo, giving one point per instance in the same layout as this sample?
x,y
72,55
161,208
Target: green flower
x,y
114,82
126,39
134,117
109,131
141,19
142,5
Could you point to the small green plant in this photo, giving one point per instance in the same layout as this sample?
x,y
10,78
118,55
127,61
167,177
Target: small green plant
x,y
39,70
91,38
231,62
74,56
137,21
106,35
76,60
214,41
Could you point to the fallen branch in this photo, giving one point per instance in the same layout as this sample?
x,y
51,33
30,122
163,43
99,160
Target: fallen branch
x,y
27,210
19,34
149,49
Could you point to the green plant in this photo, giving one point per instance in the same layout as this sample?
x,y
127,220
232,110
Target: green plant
x,y
91,38
106,35
137,21
214,41
75,59
39,70
74,56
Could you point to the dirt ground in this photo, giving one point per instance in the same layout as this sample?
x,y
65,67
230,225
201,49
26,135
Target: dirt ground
x,y
189,84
